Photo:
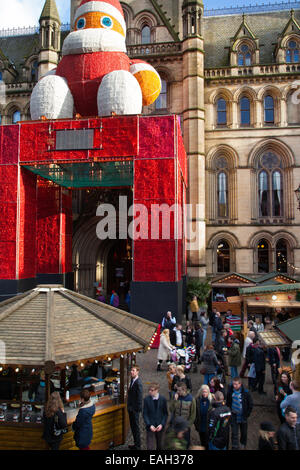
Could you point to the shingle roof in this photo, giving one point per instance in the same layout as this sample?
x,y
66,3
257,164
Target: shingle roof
x,y
17,48
291,328
53,324
217,31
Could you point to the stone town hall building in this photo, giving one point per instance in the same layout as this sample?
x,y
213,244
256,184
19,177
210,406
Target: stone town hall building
x,y
230,76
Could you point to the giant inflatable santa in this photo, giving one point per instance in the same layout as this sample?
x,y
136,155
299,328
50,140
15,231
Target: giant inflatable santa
x,y
95,76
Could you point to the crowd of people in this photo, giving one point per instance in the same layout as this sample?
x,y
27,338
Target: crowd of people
x,y
221,409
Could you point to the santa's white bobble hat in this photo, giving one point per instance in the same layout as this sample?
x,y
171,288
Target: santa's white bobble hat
x,y
110,7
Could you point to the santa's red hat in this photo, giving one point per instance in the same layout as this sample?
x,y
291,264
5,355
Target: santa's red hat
x,y
110,7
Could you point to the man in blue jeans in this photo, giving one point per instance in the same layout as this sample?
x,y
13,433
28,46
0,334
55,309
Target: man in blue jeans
x,y
240,402
219,424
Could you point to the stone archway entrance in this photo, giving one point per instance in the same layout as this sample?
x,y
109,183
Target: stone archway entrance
x,y
94,260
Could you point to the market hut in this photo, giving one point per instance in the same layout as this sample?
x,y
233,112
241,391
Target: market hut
x,y
270,300
45,333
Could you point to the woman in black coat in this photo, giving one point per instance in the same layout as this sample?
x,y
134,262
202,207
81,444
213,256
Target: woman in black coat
x,y
55,420
181,377
198,340
266,437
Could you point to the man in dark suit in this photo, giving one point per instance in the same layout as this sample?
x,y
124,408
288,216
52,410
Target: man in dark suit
x,y
155,415
134,405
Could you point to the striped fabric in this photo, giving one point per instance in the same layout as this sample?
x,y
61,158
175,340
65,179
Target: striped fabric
x,y
237,403
234,322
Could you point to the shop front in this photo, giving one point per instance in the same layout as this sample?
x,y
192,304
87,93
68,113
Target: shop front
x,y
57,340
271,304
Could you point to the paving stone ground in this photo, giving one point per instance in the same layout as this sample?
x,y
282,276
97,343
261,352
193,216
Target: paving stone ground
x,y
264,405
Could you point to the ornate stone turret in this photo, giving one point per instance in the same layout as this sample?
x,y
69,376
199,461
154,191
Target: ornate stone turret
x,y
49,37
193,122
192,12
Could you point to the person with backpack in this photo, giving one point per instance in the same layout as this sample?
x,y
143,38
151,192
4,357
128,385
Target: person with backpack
x,y
55,421
234,356
219,424
183,404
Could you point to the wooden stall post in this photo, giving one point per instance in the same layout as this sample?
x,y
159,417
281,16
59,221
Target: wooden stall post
x,y
122,377
245,319
63,382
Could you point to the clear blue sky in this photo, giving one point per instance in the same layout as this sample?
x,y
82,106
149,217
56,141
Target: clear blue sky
x,y
17,13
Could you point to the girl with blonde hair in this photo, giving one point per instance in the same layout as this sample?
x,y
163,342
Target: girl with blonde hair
x,y
165,348
203,406
181,377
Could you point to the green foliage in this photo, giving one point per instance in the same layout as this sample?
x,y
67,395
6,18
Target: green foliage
x,y
201,289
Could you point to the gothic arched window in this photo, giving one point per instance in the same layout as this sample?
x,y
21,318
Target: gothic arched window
x,y
277,194
270,186
269,109
223,257
146,35
221,112
292,52
263,256
222,194
245,110
16,116
162,100
34,71
263,194
244,55
281,256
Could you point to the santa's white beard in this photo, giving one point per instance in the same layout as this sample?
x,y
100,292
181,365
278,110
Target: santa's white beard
x,y
93,40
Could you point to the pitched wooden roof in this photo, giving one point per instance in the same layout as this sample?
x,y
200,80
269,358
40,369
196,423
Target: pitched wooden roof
x,y
55,325
232,279
270,288
291,328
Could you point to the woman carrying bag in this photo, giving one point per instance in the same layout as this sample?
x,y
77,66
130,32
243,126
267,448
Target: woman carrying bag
x,y
55,421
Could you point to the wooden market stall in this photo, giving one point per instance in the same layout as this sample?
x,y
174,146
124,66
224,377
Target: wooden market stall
x,y
270,300
225,290
45,334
